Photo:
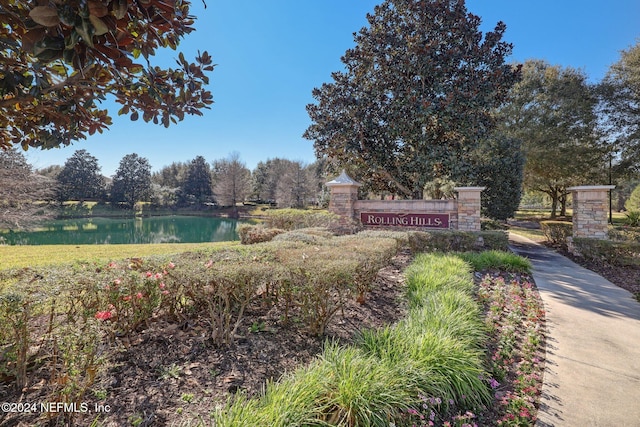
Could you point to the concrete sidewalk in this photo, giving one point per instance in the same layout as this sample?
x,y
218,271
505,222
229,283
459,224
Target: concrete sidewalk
x,y
592,372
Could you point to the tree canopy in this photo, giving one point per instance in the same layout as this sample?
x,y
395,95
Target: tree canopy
x,y
80,178
132,181
415,98
620,96
19,189
61,59
552,111
197,183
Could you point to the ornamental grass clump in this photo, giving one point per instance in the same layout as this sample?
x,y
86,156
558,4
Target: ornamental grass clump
x,y
497,260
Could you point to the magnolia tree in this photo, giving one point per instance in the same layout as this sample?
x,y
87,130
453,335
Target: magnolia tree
x,y
61,59
415,98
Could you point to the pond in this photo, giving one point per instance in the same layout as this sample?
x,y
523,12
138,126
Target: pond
x,y
160,229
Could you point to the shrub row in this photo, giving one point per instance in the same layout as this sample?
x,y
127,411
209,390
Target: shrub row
x,y
292,219
70,312
382,380
418,241
624,234
608,251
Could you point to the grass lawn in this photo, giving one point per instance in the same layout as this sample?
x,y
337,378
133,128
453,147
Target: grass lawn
x,y
42,255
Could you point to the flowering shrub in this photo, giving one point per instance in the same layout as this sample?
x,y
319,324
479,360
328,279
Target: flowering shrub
x,y
514,316
130,294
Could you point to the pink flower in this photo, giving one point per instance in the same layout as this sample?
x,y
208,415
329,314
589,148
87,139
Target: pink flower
x,y
148,274
209,263
171,265
139,295
165,292
117,282
126,298
161,285
112,265
103,315
158,276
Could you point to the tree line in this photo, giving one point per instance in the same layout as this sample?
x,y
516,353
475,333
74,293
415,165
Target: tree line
x,y
195,184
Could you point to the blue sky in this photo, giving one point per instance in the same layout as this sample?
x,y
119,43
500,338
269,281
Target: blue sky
x,y
271,54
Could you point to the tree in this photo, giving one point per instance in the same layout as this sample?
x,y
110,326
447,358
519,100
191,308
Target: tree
x,y
416,97
620,101
61,59
197,183
19,189
633,204
132,181
294,187
171,176
500,165
266,177
232,181
80,178
552,111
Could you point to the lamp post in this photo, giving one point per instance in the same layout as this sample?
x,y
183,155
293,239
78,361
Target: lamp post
x,y
613,153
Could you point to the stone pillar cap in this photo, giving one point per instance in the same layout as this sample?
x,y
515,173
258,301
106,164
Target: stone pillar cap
x,y
592,188
343,179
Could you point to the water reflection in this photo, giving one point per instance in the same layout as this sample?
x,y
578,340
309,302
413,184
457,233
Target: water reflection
x,y
165,229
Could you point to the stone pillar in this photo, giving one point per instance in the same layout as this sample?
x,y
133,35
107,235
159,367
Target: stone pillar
x,y
469,208
590,209
343,196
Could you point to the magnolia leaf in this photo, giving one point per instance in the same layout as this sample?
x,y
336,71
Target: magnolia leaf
x,y
99,26
86,32
97,9
67,15
31,37
120,8
44,15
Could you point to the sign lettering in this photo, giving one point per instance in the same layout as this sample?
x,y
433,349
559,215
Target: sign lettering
x,y
430,220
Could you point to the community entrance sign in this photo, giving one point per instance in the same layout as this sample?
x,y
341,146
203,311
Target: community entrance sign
x,y
428,220
462,213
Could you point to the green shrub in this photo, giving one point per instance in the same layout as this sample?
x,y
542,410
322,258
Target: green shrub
x,y
250,234
556,232
624,234
222,290
457,241
607,251
324,286
291,219
299,236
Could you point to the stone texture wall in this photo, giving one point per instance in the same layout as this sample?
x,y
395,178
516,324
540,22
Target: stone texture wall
x,y
590,209
469,208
